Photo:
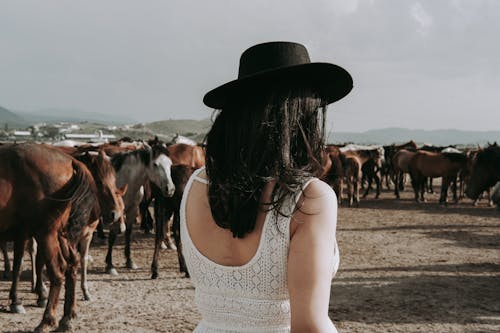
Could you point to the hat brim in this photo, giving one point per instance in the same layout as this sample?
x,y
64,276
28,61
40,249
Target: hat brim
x,y
329,81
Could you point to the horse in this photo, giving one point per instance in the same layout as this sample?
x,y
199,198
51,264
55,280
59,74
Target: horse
x,y
333,170
164,208
428,164
181,153
371,163
400,164
485,171
352,172
48,195
135,168
387,170
111,204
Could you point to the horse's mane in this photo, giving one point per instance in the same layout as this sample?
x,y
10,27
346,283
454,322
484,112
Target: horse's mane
x,y
142,154
100,168
455,157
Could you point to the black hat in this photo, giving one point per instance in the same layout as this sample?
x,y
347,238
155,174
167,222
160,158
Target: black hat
x,y
275,64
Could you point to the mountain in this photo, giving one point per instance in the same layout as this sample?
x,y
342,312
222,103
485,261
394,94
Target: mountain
x,y
11,119
441,137
72,115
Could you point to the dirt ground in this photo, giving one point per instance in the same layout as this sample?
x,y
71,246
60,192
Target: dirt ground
x,y
405,267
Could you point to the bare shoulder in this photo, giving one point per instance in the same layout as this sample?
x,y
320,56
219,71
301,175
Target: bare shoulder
x,y
316,208
318,197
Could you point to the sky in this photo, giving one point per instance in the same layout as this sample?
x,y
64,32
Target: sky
x,y
416,64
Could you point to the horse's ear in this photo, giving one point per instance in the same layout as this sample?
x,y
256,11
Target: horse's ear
x,y
123,190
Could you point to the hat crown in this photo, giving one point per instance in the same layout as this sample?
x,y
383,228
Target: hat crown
x,y
270,56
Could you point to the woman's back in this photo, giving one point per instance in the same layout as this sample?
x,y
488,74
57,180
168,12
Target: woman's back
x,y
241,284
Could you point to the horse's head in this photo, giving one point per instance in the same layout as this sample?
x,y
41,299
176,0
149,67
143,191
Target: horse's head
x,y
160,174
110,197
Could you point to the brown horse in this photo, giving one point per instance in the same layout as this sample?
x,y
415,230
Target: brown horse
x,y
371,163
352,172
388,171
48,195
333,170
400,164
164,209
181,153
428,164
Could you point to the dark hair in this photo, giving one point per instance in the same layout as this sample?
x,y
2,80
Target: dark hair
x,y
277,136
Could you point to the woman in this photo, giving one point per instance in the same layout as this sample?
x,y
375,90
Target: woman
x,y
258,230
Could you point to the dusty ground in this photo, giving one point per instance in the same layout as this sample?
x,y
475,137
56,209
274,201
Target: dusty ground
x,y
404,268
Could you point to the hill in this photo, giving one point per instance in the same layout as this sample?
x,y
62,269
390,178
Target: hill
x,y
195,129
11,119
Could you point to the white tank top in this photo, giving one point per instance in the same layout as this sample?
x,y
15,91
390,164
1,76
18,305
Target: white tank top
x,y
248,298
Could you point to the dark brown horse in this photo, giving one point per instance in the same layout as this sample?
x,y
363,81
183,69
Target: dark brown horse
x,y
164,209
485,171
432,165
48,195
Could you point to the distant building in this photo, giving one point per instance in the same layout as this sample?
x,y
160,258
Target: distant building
x,y
96,137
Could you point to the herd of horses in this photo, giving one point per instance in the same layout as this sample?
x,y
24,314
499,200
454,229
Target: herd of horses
x,y
53,198
469,173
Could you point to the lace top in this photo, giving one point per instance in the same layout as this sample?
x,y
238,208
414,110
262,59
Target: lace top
x,y
248,298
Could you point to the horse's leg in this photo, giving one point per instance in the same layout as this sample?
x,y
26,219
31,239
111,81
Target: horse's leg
x,y
56,266
369,186
396,185
40,288
6,259
110,269
423,181
16,305
130,219
168,235
356,191
177,236
349,191
445,183
431,189
378,182
83,248
70,288
490,200
160,217
415,182
33,249
341,190
454,190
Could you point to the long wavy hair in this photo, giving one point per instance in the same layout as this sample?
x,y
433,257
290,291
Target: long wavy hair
x,y
275,136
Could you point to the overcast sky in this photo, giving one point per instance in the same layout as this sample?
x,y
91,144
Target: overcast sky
x,y
418,64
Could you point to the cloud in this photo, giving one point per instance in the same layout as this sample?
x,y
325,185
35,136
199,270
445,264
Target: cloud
x,y
423,19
